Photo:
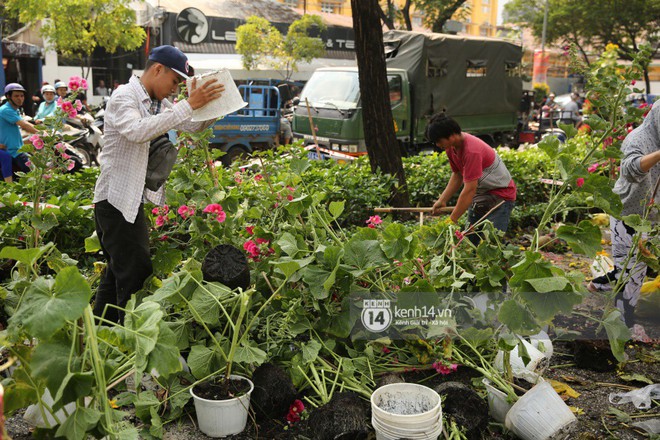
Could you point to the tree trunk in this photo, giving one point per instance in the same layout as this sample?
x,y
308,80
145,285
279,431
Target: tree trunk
x,y
386,16
381,142
406,15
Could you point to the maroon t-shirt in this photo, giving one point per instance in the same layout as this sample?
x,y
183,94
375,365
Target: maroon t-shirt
x,y
471,161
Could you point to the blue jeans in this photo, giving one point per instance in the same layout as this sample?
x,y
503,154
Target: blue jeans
x,y
499,218
5,164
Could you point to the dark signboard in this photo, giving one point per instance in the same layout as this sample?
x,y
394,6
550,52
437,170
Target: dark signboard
x,y
192,27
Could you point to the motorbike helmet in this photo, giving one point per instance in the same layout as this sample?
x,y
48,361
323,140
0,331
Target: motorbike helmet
x,y
14,87
60,84
48,88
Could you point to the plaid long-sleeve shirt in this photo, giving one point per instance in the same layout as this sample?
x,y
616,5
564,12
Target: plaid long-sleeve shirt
x,y
129,127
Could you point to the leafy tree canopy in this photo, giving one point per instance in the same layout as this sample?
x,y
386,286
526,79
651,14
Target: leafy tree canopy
x,y
77,27
260,42
435,12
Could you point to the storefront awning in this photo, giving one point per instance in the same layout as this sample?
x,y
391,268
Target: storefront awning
x,y
19,49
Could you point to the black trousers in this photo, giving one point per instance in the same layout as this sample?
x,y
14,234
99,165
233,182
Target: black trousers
x,y
126,248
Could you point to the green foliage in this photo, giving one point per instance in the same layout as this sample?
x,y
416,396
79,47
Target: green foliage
x,y
77,27
258,41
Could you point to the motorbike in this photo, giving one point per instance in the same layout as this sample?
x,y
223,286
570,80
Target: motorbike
x,y
86,137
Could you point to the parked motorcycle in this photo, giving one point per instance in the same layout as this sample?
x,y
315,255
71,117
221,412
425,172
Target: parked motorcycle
x,y
87,137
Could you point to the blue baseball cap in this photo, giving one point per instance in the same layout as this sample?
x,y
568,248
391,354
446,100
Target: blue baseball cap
x,y
172,57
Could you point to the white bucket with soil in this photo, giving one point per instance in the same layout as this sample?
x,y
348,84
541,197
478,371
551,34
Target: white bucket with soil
x,y
498,406
220,418
539,414
406,410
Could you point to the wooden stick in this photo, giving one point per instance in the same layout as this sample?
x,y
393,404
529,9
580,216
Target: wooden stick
x,y
445,210
311,127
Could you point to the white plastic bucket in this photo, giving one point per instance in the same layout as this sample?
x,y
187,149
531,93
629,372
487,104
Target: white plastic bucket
x,y
220,418
498,406
406,410
539,414
230,101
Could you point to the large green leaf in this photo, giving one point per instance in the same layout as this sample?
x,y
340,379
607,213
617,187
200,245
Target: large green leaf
x,y
47,306
363,255
21,391
92,243
143,324
336,208
205,301
76,426
299,166
319,280
617,333
584,238
50,363
249,353
291,244
203,361
144,403
397,242
547,305
530,267
182,283
180,330
517,318
74,386
550,284
603,197
310,350
45,221
164,358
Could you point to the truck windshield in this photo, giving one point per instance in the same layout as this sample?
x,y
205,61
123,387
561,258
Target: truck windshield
x,y
332,89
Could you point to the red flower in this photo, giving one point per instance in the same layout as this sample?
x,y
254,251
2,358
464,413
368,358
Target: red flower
x,y
249,230
289,197
579,182
258,177
593,167
262,241
444,369
295,410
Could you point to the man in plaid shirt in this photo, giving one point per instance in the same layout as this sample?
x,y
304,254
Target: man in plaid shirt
x,y
137,113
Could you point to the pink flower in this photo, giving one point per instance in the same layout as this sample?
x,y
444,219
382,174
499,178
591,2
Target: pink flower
x,y
160,221
386,350
289,197
47,176
164,237
262,241
70,165
375,220
75,83
607,142
78,105
593,167
444,369
459,235
60,147
290,188
67,107
371,226
37,141
213,208
633,82
237,177
73,113
258,177
222,216
59,101
65,156
579,182
155,211
28,163
83,84
166,209
186,211
252,248
249,230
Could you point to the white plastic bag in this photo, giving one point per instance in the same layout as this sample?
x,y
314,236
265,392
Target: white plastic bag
x,y
640,397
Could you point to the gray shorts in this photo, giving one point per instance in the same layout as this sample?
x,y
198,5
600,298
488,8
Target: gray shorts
x,y
285,128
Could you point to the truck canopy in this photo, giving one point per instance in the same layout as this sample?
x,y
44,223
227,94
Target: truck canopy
x,y
463,75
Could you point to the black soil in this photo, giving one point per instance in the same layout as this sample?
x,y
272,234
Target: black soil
x,y
465,406
273,392
221,389
228,265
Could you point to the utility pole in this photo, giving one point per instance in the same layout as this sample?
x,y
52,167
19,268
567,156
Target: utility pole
x,y
2,72
304,7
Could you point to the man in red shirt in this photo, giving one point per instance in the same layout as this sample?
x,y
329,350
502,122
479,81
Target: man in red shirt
x,y
477,167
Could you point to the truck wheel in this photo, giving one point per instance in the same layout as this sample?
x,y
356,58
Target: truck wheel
x,y
235,153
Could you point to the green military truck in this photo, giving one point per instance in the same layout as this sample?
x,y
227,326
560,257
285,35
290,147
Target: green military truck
x,y
476,80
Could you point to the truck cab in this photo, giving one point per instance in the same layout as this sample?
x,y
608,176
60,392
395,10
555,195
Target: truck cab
x,y
332,98
254,127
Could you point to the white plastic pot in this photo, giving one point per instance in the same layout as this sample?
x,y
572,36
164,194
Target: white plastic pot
x,y
498,405
406,410
220,418
530,372
539,414
541,341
